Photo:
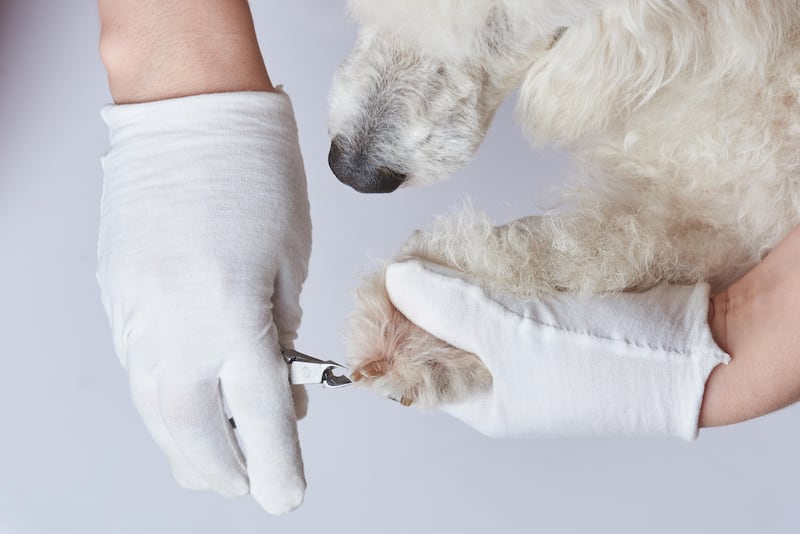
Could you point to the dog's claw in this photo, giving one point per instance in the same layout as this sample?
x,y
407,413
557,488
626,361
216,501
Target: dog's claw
x,y
372,369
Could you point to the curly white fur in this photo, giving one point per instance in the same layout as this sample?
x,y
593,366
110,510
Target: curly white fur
x,y
684,117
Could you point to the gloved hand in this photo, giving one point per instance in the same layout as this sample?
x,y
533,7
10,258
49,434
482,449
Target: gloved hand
x,y
204,243
565,365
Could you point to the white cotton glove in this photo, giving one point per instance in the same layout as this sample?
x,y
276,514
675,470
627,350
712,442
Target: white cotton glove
x,y
565,365
204,243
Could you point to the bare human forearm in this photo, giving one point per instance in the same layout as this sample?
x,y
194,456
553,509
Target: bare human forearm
x,y
757,321
154,50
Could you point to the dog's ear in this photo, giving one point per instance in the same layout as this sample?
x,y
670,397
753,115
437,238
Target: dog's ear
x,y
572,90
605,66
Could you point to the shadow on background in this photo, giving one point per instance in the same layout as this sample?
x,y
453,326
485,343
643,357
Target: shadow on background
x,y
9,11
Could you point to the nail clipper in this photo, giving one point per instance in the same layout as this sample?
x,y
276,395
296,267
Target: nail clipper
x,y
305,369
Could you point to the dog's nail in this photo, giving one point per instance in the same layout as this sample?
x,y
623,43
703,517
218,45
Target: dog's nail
x,y
406,401
356,376
373,369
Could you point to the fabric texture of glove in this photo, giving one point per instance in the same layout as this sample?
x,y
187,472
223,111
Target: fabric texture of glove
x,y
203,249
568,365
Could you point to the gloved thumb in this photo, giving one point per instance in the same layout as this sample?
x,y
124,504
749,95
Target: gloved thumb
x,y
442,303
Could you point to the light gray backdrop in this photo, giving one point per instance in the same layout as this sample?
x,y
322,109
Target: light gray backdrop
x,y
74,455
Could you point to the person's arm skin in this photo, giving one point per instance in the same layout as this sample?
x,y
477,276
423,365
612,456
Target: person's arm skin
x,y
757,321
154,50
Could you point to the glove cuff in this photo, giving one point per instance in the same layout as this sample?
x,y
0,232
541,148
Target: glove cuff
x,y
244,111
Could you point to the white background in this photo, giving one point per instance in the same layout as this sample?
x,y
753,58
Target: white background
x,y
74,456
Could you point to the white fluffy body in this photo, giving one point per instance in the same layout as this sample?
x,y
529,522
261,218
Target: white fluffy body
x,y
683,116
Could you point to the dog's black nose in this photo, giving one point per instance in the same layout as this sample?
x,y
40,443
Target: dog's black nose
x,y
356,172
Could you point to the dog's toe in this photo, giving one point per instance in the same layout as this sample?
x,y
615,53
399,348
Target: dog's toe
x,y
373,369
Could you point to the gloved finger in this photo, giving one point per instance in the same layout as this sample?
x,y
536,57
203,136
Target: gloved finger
x,y
144,392
258,393
286,316
300,397
195,418
446,306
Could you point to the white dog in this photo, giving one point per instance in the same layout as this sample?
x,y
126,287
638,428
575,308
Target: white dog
x,y
683,114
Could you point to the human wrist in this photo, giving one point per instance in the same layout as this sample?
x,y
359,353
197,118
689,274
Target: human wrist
x,y
154,51
755,321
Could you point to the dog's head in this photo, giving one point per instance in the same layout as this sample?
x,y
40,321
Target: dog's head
x,y
415,97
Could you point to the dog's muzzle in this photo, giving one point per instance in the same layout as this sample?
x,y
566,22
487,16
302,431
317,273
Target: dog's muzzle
x,y
358,173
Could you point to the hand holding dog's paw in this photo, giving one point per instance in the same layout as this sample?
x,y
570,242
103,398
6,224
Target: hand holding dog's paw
x,y
565,365
393,356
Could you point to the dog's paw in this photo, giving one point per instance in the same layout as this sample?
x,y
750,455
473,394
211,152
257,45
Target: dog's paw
x,y
374,372
391,355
